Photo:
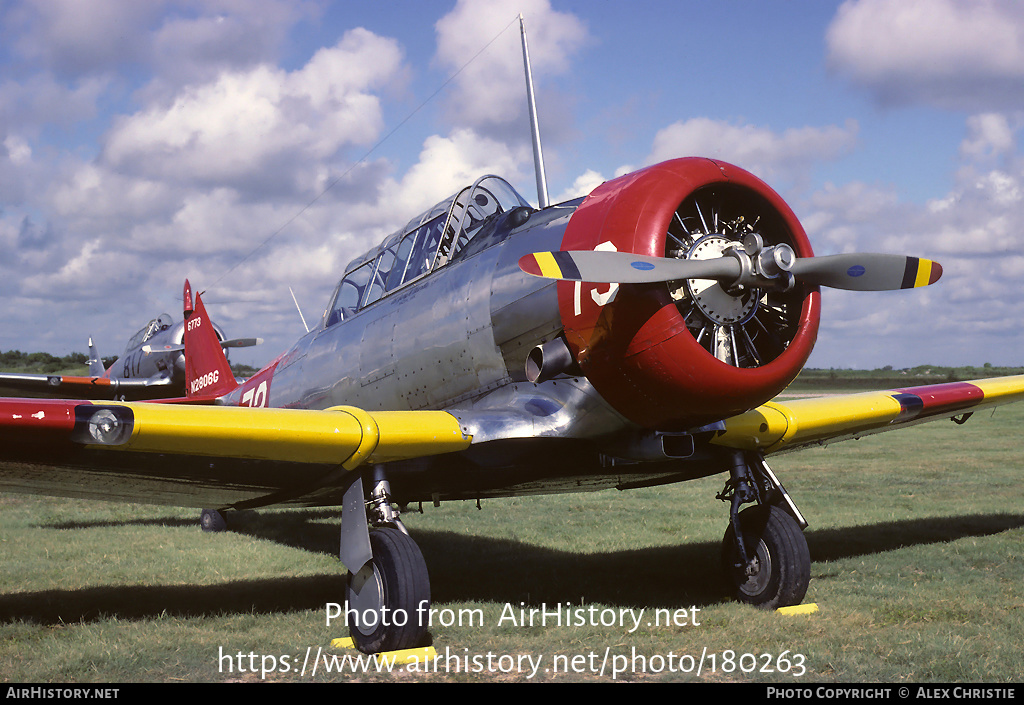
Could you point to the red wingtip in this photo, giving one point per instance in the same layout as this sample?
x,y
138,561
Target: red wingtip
x,y
935,273
187,296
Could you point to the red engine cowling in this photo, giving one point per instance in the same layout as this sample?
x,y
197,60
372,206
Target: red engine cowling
x,y
684,354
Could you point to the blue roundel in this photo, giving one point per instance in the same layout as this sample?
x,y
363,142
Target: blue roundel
x,y
856,270
642,266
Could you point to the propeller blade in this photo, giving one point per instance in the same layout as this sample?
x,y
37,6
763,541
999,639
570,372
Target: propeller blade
x,y
162,348
241,342
601,267
867,272
854,272
233,343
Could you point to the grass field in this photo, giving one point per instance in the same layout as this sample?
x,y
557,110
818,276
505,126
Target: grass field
x,y
917,571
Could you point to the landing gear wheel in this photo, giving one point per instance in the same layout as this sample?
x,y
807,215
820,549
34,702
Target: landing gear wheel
x,y
385,596
782,562
212,520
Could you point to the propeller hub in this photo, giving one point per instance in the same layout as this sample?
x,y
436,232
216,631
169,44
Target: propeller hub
x,y
720,305
773,261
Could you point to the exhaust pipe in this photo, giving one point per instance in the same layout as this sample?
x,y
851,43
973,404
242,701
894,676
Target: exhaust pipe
x,y
548,360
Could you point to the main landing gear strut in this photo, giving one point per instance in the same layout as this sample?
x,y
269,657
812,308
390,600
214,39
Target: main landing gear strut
x,y
388,591
764,552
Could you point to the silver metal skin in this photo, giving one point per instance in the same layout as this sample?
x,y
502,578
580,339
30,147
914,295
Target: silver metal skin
x,y
456,339
355,549
96,368
154,352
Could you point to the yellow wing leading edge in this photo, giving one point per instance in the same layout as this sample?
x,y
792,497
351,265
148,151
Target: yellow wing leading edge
x,y
340,435
779,426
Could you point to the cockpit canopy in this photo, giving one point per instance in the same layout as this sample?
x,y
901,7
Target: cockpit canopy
x,y
429,241
160,323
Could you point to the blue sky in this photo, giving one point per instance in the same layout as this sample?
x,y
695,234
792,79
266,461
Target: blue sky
x,y
141,143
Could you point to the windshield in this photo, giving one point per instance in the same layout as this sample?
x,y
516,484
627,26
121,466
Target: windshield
x,y
429,241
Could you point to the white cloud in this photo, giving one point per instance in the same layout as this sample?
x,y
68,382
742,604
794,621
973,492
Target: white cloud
x,y
583,185
446,164
181,39
76,278
74,38
190,185
975,313
39,101
989,135
18,150
786,155
951,53
264,126
187,48
16,170
490,90
851,217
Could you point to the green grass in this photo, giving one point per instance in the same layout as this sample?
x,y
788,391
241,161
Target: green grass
x,y
917,571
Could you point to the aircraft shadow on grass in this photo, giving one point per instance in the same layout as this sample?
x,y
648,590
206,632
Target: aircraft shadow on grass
x,y
473,569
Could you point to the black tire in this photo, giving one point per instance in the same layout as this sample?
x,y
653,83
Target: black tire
x,y
774,538
389,597
212,520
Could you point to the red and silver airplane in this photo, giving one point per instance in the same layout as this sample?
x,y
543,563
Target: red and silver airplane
x,y
672,305
632,338
152,367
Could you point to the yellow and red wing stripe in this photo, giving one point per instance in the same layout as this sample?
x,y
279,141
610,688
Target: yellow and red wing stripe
x,y
788,425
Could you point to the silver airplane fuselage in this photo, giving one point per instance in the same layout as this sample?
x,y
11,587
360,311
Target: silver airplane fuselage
x,y
456,333
154,357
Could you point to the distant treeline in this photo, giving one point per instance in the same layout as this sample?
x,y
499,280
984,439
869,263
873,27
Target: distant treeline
x,y
884,377
75,363
44,363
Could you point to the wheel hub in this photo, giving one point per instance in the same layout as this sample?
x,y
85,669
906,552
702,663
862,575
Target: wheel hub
x,y
366,595
758,572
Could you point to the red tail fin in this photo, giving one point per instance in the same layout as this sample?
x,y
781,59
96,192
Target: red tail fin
x,y
207,373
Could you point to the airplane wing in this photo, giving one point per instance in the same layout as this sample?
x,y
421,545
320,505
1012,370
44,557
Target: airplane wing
x,y
202,455
785,426
85,387
193,455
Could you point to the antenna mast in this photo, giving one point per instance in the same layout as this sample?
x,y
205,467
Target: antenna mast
x,y
538,155
299,309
